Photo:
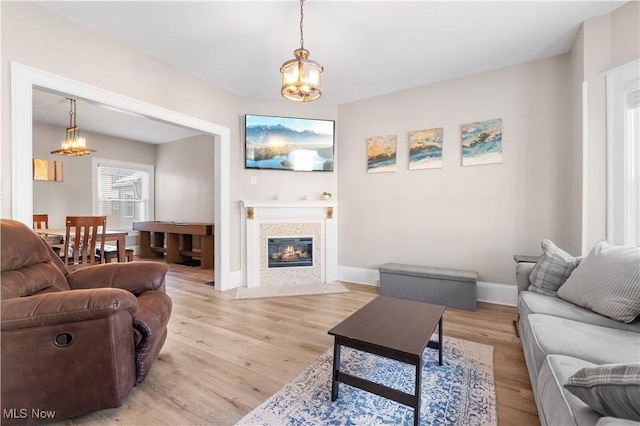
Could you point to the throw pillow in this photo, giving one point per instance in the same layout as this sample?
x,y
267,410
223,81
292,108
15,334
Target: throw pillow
x,y
611,389
552,269
607,282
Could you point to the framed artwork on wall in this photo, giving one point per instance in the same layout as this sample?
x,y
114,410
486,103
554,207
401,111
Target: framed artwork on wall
x,y
48,170
425,149
481,142
381,154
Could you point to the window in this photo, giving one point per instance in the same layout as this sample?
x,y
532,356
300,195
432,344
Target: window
x,y
123,192
623,154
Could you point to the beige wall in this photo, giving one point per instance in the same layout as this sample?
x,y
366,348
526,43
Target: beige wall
x,y
467,217
575,170
474,217
185,190
73,196
184,181
625,34
604,42
287,184
33,36
597,58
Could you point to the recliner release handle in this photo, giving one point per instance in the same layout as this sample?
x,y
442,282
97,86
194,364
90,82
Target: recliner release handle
x,y
64,339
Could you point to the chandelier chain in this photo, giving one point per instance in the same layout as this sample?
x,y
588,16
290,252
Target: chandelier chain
x,y
301,18
71,111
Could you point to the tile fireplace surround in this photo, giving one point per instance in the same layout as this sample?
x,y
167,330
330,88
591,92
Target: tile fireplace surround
x,y
275,218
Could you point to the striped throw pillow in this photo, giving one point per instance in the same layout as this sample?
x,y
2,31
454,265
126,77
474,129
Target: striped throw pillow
x,y
610,389
552,269
607,282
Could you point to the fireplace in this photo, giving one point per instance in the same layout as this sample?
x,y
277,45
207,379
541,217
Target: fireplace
x,y
313,221
289,252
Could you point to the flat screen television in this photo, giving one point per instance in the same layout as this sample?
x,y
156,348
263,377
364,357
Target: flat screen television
x,y
287,143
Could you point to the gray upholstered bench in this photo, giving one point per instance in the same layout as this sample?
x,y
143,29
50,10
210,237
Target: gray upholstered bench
x,y
450,287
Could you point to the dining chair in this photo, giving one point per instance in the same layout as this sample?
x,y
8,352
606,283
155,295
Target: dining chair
x,y
82,235
41,221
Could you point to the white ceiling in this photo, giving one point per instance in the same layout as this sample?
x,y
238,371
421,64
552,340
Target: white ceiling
x,y
54,109
367,48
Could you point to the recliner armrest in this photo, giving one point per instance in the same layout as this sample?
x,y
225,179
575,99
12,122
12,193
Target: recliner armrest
x,y
524,258
136,277
64,306
150,323
524,266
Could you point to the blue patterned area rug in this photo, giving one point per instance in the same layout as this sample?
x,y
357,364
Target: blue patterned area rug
x,y
460,392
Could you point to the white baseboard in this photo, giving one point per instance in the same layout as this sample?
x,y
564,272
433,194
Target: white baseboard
x,y
499,294
235,280
358,275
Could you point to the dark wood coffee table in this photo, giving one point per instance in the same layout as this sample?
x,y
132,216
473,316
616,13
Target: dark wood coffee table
x,y
394,328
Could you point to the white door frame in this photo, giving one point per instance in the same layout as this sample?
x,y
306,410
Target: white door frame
x,y
24,79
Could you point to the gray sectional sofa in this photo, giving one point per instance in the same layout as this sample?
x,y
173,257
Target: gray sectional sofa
x,y
560,338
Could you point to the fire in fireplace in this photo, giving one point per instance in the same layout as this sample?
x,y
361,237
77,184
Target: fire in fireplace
x,y
289,252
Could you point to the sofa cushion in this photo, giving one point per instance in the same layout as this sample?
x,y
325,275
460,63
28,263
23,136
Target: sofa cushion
x,y
611,389
614,421
536,303
552,269
561,407
546,335
607,281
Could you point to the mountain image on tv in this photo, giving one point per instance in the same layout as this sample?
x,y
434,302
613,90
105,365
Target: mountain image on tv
x,y
288,143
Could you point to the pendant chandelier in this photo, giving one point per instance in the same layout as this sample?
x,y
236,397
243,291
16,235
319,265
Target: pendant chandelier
x,y
73,144
301,76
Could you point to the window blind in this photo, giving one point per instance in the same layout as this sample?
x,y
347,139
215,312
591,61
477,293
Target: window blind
x,y
122,196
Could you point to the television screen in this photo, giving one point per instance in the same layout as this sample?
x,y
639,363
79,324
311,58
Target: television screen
x,y
287,143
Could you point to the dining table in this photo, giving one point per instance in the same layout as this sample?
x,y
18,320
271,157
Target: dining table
x,y
117,236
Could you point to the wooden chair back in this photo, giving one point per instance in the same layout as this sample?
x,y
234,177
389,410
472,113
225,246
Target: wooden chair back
x,y
40,221
83,234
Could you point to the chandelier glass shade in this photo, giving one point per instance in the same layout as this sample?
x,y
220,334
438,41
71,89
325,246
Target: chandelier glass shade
x,y
301,76
73,144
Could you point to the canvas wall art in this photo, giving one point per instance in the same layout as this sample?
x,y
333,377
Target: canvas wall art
x,y
48,170
381,154
482,142
425,149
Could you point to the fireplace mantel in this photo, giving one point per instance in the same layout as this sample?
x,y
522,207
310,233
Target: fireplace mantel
x,y
262,216
288,203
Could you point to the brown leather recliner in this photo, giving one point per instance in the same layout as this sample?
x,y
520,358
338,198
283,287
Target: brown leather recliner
x,y
73,343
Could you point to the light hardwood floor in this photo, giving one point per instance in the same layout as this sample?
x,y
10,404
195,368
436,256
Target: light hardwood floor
x,y
224,357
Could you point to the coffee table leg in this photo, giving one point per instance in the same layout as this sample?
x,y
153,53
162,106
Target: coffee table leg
x,y
336,369
418,393
440,341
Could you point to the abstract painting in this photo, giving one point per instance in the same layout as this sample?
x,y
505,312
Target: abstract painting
x,y
425,149
48,170
381,154
482,142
